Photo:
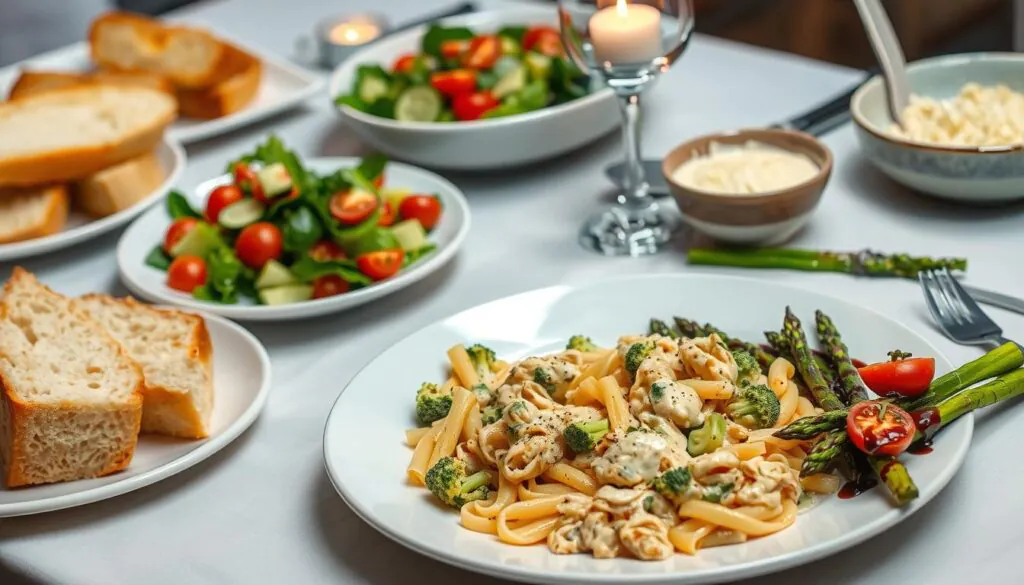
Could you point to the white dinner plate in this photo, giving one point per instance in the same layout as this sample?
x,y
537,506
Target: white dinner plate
x,y
148,282
282,86
81,227
366,455
241,383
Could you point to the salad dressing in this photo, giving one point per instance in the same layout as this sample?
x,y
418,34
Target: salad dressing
x,y
749,169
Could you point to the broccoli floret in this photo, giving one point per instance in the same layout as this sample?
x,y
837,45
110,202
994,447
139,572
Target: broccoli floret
x,y
583,436
484,394
715,493
543,377
515,415
636,354
581,343
708,437
483,361
673,483
490,415
658,391
448,481
755,407
749,369
431,403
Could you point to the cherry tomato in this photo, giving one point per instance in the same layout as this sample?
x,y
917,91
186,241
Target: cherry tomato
x,y
454,82
245,178
381,264
404,64
325,251
880,428
483,52
220,198
543,39
258,244
452,49
177,231
423,208
909,377
329,285
378,181
352,207
387,215
471,106
186,273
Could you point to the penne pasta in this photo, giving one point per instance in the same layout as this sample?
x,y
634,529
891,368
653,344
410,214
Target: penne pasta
x,y
462,366
462,401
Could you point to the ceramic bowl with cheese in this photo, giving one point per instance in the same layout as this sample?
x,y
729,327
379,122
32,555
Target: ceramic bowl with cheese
x,y
748,187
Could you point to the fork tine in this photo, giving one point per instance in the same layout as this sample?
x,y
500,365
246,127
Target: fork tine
x,y
966,299
946,310
926,278
955,300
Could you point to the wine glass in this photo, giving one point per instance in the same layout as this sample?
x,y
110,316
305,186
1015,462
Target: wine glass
x,y
628,44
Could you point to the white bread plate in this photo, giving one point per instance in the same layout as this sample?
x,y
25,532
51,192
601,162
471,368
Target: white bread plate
x,y
80,226
481,144
241,383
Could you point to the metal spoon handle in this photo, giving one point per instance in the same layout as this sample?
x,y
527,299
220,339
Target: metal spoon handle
x,y
889,54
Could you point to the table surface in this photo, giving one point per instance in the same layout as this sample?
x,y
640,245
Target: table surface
x,y
263,511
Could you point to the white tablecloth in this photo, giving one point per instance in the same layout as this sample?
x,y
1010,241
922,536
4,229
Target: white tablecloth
x,y
262,511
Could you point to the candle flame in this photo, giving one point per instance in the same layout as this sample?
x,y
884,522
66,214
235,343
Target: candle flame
x,y
620,8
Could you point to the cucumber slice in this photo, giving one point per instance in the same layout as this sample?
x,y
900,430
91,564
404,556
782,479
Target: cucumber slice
x,y
275,274
511,82
286,294
410,234
538,64
419,103
241,213
509,46
274,179
199,242
372,87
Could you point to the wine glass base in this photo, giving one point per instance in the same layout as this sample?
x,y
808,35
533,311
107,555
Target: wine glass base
x,y
620,230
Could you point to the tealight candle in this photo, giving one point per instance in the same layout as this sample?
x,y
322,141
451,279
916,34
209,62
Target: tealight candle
x,y
626,33
353,33
340,37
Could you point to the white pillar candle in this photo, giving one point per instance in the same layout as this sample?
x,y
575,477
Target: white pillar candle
x,y
626,33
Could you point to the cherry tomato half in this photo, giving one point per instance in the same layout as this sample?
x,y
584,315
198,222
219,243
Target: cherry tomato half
x,y
452,49
177,231
325,251
909,377
329,285
352,207
483,52
220,198
387,215
543,39
245,178
454,82
404,64
423,208
378,181
471,106
258,244
880,428
381,264
186,273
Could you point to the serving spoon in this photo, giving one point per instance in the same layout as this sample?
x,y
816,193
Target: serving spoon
x,y
889,54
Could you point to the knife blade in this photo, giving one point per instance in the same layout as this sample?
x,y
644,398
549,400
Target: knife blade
x,y
995,299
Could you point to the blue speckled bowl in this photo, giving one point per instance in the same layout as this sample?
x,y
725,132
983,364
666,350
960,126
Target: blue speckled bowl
x,y
970,174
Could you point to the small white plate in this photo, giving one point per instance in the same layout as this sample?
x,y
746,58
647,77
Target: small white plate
x,y
241,383
282,86
80,226
366,456
148,282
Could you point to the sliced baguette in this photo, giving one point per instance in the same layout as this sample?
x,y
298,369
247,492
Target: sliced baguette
x,y
70,398
119,187
188,57
32,212
36,82
71,133
175,353
239,80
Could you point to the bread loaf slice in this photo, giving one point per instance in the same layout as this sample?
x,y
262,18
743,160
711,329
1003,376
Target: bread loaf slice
x,y
188,57
119,187
71,133
36,82
239,81
176,355
70,398
33,212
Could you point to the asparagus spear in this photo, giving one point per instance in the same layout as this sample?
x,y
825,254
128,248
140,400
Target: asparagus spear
x,y
811,426
692,329
824,452
1000,360
779,345
809,370
895,477
689,328
931,419
848,377
864,262
659,327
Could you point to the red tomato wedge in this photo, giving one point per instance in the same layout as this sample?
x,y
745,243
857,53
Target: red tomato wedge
x,y
329,285
880,428
186,273
454,48
177,231
325,251
404,64
909,377
423,208
454,82
258,244
471,106
543,39
483,52
352,207
220,198
387,215
381,264
245,178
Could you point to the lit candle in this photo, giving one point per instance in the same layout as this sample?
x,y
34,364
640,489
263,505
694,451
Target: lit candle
x,y
354,33
626,33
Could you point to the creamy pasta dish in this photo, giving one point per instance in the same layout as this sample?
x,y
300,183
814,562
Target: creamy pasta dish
x,y
659,444
977,116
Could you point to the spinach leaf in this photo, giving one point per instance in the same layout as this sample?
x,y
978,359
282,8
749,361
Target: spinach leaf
x,y
225,273
437,34
353,102
413,256
274,151
308,270
516,33
301,230
379,238
372,166
158,259
179,207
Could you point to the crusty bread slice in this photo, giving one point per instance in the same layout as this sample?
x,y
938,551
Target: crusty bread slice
x,y
32,212
71,133
176,355
239,80
35,82
70,397
119,187
188,57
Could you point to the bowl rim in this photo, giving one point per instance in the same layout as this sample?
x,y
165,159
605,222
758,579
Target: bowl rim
x,y
823,174
941,60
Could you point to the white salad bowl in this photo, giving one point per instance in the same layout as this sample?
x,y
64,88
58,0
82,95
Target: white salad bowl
x,y
480,144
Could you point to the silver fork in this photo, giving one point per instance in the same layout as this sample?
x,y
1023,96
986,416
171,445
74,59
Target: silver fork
x,y
956,313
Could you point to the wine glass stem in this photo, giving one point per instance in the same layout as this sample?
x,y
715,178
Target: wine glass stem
x,y
634,184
